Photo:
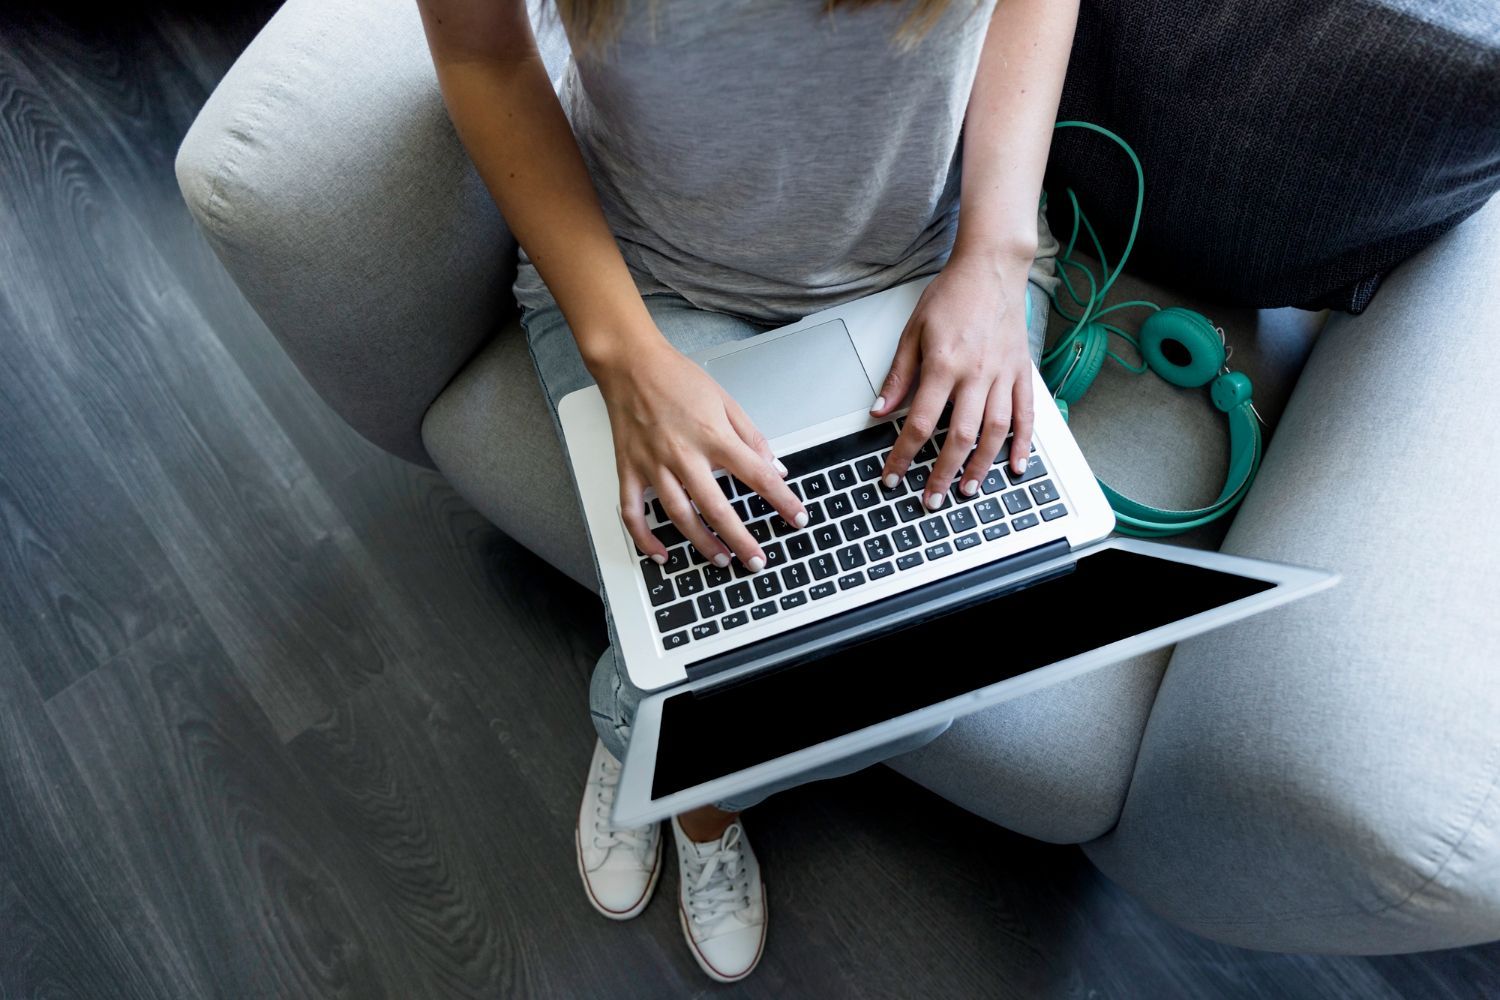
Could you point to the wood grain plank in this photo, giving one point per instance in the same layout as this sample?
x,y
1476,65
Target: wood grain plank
x,y
228,846
241,518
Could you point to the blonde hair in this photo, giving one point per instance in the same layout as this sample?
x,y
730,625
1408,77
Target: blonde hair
x,y
593,24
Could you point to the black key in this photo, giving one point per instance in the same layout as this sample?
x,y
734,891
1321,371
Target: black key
x,y
961,519
763,610
795,489
882,518
740,510
880,570
661,591
711,604
659,511
675,639
675,616
734,621
933,528
838,505
781,526
898,490
916,477
906,538
793,600
775,555
864,496
689,583
844,449
795,576
760,531
939,550
741,571
822,590
988,510
1004,457
823,567
1044,493
739,595
993,482
725,487
943,502
677,561
1034,470
799,546
957,493
850,557
879,548
740,488
651,573
759,506
815,486
695,557
966,541
703,630
909,560
851,580
668,535
827,537
1054,512
1016,501
815,514
855,527
1023,522
842,478
995,531
910,509
766,585
868,468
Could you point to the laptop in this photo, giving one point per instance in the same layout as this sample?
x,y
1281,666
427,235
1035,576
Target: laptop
x,y
880,618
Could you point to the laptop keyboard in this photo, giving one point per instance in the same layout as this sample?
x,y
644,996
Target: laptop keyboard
x,y
858,533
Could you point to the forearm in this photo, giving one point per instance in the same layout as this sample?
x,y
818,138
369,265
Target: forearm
x,y
1008,129
513,127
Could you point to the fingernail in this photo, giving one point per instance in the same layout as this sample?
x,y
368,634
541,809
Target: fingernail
x,y
756,564
971,487
801,519
779,467
721,560
891,481
933,499
659,560
879,404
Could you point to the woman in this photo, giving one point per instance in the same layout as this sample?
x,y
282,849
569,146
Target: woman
x,y
710,170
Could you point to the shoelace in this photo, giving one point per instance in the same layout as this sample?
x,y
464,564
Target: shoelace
x,y
607,837
717,883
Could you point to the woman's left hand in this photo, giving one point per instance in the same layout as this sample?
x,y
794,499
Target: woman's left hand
x,y
967,336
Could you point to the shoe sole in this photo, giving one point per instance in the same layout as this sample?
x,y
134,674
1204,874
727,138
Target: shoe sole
x,y
703,963
588,890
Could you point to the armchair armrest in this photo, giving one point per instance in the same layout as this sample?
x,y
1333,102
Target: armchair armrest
x,y
329,181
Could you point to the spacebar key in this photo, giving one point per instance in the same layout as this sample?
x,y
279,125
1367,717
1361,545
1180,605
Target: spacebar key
x,y
829,453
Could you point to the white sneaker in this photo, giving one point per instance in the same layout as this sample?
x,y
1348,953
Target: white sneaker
x,y
619,865
721,902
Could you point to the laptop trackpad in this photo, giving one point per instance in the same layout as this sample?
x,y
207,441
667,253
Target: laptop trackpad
x,y
793,381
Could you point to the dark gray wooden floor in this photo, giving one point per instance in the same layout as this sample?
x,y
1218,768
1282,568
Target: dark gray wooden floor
x,y
281,716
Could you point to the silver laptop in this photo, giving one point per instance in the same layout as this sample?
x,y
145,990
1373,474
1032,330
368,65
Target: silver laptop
x,y
880,618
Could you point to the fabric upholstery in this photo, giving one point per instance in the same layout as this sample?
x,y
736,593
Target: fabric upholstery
x,y
1294,151
328,179
1327,776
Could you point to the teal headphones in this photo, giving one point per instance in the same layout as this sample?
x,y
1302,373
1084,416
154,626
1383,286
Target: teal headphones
x,y
1179,345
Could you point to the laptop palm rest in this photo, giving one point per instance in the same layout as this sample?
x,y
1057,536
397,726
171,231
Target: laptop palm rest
x,y
796,380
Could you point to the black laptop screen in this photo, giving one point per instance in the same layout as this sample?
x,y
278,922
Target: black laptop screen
x,y
1108,596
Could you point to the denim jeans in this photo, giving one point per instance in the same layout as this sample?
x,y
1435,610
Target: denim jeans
x,y
612,698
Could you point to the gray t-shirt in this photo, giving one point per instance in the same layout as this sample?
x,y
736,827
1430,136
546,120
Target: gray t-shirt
x,y
766,158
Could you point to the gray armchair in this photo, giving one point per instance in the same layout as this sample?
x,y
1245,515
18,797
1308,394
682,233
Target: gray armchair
x,y
1325,777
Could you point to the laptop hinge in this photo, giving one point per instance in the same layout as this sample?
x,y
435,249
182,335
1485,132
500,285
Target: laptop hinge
x,y
885,615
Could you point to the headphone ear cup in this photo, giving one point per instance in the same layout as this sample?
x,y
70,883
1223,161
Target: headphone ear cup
x,y
1182,347
1093,346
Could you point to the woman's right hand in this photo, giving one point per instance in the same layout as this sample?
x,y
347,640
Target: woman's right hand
x,y
673,425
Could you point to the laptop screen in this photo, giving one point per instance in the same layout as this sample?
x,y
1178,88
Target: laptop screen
x,y
1108,596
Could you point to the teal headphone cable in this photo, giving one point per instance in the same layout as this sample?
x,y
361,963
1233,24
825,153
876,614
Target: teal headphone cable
x,y
1181,346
